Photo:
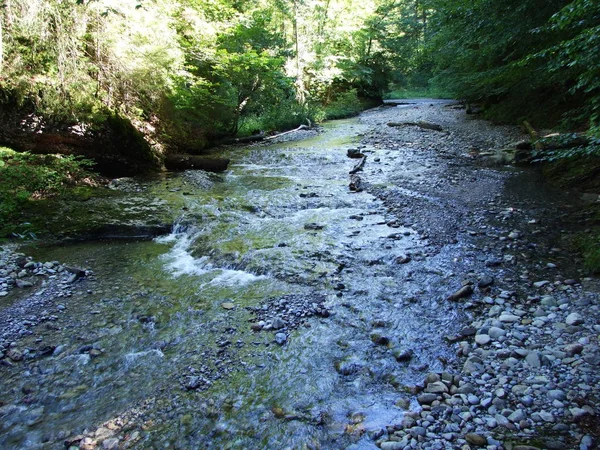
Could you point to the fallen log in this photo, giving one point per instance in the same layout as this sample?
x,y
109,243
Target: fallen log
x,y
191,162
355,183
535,137
243,140
420,124
358,167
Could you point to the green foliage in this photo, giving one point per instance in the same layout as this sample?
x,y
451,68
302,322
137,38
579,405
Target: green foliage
x,y
25,177
589,246
533,59
346,104
424,92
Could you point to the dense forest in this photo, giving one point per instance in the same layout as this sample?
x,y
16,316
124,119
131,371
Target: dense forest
x,y
125,83
188,72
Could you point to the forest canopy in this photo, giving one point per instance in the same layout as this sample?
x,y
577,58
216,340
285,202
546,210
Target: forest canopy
x,y
188,72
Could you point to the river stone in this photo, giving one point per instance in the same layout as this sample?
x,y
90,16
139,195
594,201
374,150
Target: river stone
x,y
482,339
278,323
496,332
476,439
574,319
533,359
227,305
546,416
508,318
548,300
426,399
110,444
485,281
573,349
280,338
436,388
557,394
517,416
14,354
392,445
473,364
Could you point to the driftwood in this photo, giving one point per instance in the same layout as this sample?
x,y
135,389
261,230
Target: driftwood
x,y
555,141
301,127
355,183
420,124
191,162
359,166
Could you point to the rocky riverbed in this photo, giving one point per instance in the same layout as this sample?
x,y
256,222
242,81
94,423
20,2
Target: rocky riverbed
x,y
527,369
440,307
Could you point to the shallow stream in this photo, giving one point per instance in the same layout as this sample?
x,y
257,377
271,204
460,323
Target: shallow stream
x,y
280,236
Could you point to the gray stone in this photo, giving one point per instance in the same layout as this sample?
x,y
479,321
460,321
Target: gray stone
x,y
278,323
574,319
573,349
482,339
533,359
546,416
110,444
508,318
557,394
485,281
496,332
426,399
473,364
436,388
280,338
517,416
392,445
473,399
476,439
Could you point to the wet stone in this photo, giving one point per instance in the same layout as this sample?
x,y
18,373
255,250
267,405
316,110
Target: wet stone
x,y
427,399
485,281
436,388
476,439
280,338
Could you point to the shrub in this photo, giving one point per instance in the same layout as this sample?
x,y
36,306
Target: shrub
x,y
346,104
25,177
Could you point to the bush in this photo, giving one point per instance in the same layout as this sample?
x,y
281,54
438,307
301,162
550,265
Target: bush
x,y
25,177
346,104
284,116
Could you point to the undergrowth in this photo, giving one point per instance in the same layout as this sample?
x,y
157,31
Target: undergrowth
x,y
26,178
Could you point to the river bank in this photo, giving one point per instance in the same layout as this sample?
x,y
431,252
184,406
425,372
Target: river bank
x,y
440,307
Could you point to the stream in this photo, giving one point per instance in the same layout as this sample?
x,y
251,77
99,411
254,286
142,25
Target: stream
x,y
282,311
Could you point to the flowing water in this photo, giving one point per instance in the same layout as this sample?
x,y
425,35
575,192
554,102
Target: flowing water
x,y
280,235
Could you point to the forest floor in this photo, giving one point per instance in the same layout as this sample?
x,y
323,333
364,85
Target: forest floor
x,y
519,367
